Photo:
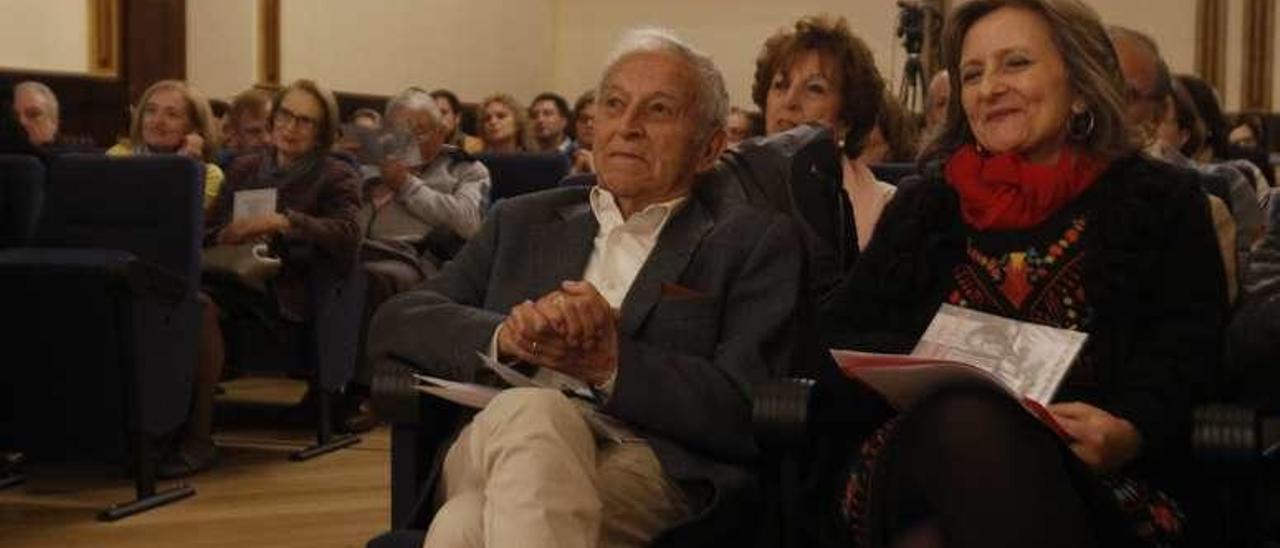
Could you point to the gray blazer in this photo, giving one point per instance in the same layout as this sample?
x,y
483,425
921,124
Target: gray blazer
x,y
712,314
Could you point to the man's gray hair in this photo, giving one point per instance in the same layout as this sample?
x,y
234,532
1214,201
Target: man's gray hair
x,y
39,88
414,99
711,100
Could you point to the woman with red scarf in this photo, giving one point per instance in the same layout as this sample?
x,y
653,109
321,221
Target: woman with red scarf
x,y
1033,205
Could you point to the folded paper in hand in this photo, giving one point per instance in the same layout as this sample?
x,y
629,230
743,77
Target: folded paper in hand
x,y
961,346
477,396
381,145
253,203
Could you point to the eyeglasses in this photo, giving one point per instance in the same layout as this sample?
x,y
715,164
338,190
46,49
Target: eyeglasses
x,y
284,116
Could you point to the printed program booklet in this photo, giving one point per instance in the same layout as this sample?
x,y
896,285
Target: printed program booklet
x,y
1026,360
477,396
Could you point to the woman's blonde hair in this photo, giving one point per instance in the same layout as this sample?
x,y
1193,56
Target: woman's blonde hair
x,y
521,117
198,112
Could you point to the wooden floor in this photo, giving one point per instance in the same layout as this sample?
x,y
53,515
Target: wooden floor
x,y
255,497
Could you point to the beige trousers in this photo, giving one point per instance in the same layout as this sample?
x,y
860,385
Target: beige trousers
x,y
527,472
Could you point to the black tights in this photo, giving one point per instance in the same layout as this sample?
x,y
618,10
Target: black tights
x,y
979,469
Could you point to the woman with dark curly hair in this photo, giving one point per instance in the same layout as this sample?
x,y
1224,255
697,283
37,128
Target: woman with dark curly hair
x,y
1033,204
818,72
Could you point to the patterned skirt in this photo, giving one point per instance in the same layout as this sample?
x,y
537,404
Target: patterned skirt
x,y
1155,518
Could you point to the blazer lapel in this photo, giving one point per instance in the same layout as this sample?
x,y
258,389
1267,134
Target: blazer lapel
x,y
560,249
676,244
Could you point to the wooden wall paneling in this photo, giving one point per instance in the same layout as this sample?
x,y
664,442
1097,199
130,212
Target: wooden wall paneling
x,y
155,42
133,43
269,43
104,37
1211,44
1259,54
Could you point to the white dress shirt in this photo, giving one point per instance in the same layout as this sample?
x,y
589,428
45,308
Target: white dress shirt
x,y
622,246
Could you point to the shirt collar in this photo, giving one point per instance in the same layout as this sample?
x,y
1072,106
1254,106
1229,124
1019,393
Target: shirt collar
x,y
648,221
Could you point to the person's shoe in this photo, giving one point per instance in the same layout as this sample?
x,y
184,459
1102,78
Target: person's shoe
x,y
187,459
356,415
10,462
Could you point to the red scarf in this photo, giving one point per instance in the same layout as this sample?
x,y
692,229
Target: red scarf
x,y
1005,192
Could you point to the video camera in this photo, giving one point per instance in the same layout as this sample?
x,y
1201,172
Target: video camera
x,y
911,26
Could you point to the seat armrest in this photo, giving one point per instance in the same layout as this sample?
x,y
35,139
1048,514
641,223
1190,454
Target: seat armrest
x,y
392,394
1224,433
780,413
148,278
139,277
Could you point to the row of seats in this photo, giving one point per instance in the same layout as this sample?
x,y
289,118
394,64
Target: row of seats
x,y
99,292
99,274
99,279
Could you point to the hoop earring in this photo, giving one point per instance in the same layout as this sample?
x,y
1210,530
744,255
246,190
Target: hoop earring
x,y
1082,125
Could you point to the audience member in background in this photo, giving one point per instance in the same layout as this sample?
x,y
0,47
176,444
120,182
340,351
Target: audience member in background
x,y
549,115
13,137
366,118
1180,127
1247,131
37,109
742,124
817,71
1254,163
894,137
451,117
220,109
246,126
936,98
1180,134
712,293
503,125
1035,205
1253,339
1248,139
406,207
584,132
173,117
1151,105
318,199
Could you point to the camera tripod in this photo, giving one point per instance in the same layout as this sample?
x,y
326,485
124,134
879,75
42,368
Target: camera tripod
x,y
911,86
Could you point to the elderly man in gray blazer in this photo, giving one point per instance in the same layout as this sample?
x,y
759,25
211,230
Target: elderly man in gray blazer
x,y
670,303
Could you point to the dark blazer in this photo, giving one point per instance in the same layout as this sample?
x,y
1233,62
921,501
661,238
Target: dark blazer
x,y
1152,274
688,363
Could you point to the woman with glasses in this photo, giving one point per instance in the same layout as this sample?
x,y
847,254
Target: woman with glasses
x,y
316,201
173,117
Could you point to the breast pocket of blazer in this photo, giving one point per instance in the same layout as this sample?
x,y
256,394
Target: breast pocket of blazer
x,y
690,324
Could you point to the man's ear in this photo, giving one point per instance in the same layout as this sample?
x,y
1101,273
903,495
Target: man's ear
x,y
715,145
